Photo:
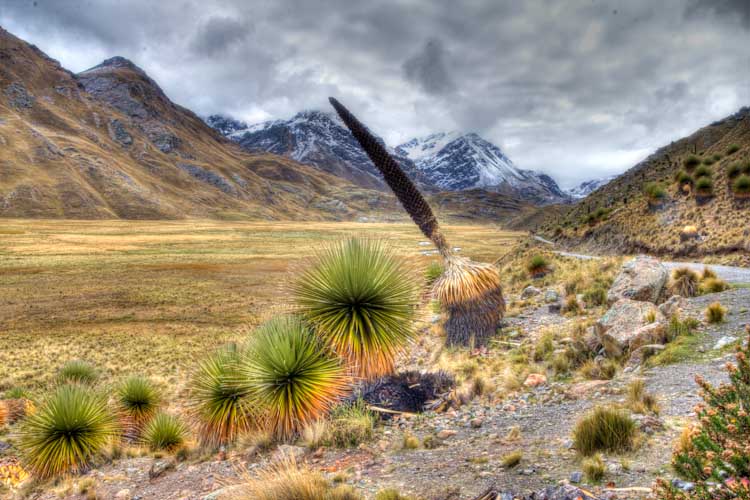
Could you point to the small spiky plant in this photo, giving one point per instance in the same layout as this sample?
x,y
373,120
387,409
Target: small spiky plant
x,y
292,378
469,291
217,396
72,426
361,301
138,399
164,432
684,282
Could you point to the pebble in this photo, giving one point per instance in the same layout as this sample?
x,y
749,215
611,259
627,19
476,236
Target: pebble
x,y
446,433
123,494
576,477
476,423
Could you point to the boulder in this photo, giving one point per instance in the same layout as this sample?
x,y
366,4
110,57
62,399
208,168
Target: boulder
x,y
643,278
535,380
530,291
673,306
628,325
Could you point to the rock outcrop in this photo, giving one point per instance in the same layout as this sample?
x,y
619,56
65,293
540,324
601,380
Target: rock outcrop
x,y
630,324
643,278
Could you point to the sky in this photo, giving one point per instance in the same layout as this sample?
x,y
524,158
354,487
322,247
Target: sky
x,y
578,89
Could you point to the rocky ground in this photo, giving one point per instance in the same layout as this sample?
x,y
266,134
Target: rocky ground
x,y
462,450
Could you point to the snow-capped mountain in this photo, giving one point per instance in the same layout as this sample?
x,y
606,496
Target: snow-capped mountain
x,y
313,138
585,188
455,162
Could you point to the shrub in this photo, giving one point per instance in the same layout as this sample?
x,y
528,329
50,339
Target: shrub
x,y
734,170
350,425
596,295
77,372
138,399
708,273
702,171
287,481
70,428
708,161
164,432
604,429
655,192
715,313
704,186
683,178
216,398
594,468
640,401
511,459
434,270
733,148
684,282
293,380
597,215
410,442
742,185
691,162
678,327
713,452
571,305
361,301
537,265
713,285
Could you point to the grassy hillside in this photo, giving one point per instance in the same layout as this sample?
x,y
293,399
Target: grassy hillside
x,y
686,199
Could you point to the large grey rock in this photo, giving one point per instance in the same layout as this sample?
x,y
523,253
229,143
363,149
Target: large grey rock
x,y
629,324
530,291
119,133
18,96
642,278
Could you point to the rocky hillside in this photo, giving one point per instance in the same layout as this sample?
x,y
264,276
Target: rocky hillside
x,y
314,138
686,199
456,162
108,143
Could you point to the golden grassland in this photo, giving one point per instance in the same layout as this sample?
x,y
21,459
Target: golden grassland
x,y
152,297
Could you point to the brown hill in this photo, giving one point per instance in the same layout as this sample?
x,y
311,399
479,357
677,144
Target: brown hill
x,y
123,149
649,209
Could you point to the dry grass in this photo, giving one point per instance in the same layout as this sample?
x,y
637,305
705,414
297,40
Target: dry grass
x,y
86,289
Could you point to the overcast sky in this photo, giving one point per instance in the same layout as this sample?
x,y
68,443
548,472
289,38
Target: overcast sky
x,y
577,89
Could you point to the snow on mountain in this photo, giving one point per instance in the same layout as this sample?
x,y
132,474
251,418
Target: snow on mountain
x,y
314,138
455,162
585,188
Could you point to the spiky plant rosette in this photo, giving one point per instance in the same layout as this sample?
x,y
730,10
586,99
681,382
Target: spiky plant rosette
x,y
217,397
137,399
70,428
293,378
469,291
164,432
362,300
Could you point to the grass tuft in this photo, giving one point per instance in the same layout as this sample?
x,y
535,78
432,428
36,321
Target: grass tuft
x,y
511,459
715,313
594,468
77,372
639,400
685,282
604,429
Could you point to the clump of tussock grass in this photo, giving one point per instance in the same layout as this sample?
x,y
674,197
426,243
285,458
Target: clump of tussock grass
x,y
639,400
685,282
703,171
704,186
715,313
350,425
469,291
594,468
292,378
604,370
285,480
741,186
391,494
537,265
359,297
683,178
604,429
71,427
77,372
733,148
410,442
713,285
217,395
691,162
137,399
164,432
434,270
512,459
655,192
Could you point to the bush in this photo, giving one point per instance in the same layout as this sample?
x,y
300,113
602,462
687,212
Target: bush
x,y
434,270
350,425
594,468
70,428
511,459
217,395
708,161
713,285
691,162
678,327
596,296
138,399
683,178
715,313
361,300
733,148
164,432
77,372
684,282
410,442
604,429
703,171
704,185
734,170
713,452
293,380
655,192
742,185
537,265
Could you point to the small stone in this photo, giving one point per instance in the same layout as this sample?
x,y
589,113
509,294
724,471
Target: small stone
x,y
724,341
446,433
476,423
535,380
158,468
576,477
551,296
683,485
530,291
123,494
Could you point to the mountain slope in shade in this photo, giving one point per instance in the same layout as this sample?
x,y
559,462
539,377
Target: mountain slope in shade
x,y
312,138
587,187
457,162
108,143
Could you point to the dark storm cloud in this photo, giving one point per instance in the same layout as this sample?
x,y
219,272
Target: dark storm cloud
x,y
578,89
428,69
218,34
